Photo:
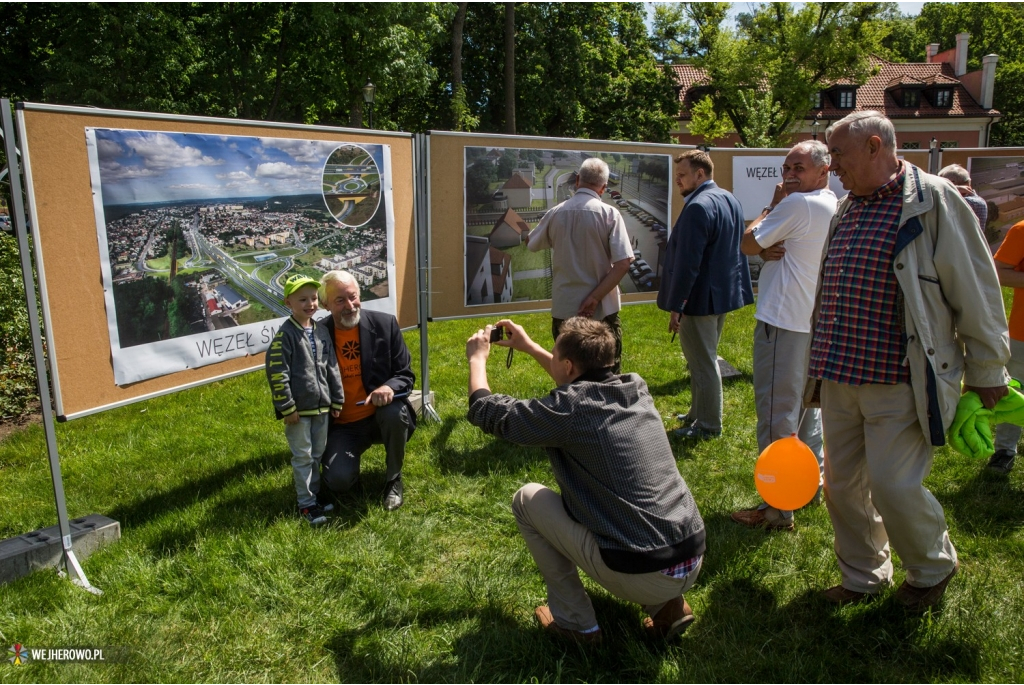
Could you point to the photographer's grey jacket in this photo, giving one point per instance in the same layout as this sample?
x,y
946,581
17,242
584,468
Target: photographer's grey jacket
x,y
613,464
298,382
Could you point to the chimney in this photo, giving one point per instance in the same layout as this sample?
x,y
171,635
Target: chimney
x,y
960,61
988,79
930,51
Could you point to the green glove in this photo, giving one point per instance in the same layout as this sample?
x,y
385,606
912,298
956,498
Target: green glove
x,y
1010,409
970,434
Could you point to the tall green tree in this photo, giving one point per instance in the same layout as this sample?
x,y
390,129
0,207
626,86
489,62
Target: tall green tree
x,y
765,71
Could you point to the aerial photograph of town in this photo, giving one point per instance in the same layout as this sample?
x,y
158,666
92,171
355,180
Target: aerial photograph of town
x,y
200,230
1000,182
507,192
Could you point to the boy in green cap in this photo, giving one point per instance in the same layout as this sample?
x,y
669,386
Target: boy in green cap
x,y
305,385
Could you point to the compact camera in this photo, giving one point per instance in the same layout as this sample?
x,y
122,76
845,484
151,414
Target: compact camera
x,y
497,333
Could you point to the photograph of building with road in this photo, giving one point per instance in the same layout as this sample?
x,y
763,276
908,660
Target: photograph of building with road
x,y
507,192
1000,182
198,232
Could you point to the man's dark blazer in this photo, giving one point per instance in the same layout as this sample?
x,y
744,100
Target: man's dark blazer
x,y
383,355
703,266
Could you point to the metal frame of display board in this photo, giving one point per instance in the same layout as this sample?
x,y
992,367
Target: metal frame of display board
x,y
20,225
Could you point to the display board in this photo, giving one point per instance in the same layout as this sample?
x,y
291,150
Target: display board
x,y
163,241
997,175
487,193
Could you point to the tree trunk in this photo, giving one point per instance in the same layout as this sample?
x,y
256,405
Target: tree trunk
x,y
457,26
510,68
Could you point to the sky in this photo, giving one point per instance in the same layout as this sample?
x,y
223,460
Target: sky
x,y
155,166
911,8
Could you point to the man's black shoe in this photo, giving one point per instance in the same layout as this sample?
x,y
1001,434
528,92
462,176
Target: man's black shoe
x,y
695,432
1001,462
393,494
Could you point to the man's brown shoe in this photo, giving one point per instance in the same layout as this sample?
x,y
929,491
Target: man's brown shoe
x,y
840,595
547,622
921,598
767,518
673,619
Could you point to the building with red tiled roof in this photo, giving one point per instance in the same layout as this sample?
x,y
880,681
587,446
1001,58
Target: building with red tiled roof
x,y
509,230
518,191
925,100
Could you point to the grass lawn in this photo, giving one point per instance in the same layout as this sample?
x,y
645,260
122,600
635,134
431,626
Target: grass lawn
x,y
216,579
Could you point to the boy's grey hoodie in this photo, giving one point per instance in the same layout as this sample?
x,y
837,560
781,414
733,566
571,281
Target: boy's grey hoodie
x,y
299,383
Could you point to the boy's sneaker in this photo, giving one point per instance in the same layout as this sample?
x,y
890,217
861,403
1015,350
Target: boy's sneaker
x,y
324,502
314,515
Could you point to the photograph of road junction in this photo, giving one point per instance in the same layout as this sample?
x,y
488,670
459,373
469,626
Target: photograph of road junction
x,y
201,230
507,192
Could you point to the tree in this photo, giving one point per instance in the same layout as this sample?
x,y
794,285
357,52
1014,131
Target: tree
x,y
706,122
462,118
510,68
765,72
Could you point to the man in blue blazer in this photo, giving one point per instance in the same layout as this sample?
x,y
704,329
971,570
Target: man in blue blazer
x,y
704,276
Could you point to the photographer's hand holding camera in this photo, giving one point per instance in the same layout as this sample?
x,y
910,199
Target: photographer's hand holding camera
x,y
624,515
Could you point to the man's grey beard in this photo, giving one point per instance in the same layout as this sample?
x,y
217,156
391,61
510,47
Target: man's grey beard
x,y
350,320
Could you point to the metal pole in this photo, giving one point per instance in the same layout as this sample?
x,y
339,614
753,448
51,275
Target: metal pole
x,y
74,569
420,179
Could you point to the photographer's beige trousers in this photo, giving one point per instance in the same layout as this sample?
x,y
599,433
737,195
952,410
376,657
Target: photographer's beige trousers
x,y
876,460
561,546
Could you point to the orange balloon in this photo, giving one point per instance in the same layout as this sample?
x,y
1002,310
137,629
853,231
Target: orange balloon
x,y
786,475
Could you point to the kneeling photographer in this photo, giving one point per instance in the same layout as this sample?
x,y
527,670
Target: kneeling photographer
x,y
625,515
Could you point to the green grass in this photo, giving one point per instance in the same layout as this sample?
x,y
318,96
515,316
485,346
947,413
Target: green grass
x,y
216,579
530,289
524,260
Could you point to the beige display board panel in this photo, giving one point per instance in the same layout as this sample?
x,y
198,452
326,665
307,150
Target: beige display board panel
x,y
64,225
447,241
960,155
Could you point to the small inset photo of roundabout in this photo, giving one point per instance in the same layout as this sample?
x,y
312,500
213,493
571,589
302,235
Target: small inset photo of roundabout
x,y
351,185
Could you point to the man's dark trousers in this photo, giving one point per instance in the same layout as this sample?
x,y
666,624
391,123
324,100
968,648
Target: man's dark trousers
x,y
389,425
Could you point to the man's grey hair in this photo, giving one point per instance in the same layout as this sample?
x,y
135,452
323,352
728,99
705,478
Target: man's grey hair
x,y
867,123
817,150
957,174
594,172
336,276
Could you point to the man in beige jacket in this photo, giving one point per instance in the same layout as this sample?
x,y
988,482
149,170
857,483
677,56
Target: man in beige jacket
x,y
908,306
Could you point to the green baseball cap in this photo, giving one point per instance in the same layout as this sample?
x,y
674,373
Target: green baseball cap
x,y
296,281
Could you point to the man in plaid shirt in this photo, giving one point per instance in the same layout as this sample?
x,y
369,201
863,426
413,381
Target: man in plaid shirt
x,y
908,306
625,515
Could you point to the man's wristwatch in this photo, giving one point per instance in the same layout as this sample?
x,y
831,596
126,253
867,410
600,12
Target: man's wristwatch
x,y
767,209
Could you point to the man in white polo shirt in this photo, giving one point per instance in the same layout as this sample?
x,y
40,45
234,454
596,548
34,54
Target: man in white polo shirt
x,y
794,226
590,253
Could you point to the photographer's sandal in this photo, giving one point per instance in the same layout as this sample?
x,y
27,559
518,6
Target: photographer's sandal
x,y
673,620
547,622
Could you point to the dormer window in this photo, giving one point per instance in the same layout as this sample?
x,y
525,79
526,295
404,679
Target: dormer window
x,y
816,100
942,97
844,98
911,97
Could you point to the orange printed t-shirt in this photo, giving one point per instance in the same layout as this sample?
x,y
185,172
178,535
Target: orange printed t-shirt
x,y
1012,252
346,342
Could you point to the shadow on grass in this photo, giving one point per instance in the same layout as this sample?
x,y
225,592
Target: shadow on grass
x,y
800,641
258,507
142,511
493,646
988,504
497,455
